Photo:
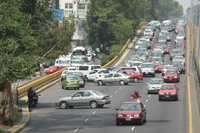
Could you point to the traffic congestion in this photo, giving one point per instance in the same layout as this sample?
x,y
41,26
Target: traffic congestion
x,y
154,70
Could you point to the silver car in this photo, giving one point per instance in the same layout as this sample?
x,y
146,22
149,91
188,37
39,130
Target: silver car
x,y
119,78
90,98
154,85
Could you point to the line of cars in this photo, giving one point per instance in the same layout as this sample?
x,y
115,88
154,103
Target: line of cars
x,y
153,57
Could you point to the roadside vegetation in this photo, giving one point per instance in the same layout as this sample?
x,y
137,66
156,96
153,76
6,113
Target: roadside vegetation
x,y
111,22
28,35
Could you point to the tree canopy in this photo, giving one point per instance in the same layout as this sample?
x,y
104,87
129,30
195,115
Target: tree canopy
x,y
111,22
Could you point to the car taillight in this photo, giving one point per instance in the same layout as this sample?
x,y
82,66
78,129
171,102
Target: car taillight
x,y
120,115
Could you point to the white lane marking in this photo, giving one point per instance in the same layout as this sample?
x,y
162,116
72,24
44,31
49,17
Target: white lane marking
x,y
86,120
76,130
149,96
111,96
94,112
132,129
144,105
146,100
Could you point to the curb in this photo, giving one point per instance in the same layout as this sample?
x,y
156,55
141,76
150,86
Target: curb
x,y
20,127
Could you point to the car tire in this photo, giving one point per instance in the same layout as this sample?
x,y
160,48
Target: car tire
x,y
100,83
100,106
159,99
122,82
93,104
63,105
118,123
141,122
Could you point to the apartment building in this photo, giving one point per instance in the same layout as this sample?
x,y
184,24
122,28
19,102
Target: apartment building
x,y
75,8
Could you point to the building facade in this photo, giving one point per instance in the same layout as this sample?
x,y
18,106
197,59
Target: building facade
x,y
75,8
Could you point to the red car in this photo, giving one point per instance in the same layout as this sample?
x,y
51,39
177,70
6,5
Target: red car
x,y
158,68
131,112
171,76
168,92
52,69
133,73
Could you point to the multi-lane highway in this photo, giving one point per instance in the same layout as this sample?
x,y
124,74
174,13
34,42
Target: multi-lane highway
x,y
165,117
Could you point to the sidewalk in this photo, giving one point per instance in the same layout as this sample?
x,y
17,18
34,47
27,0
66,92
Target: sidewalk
x,y
20,125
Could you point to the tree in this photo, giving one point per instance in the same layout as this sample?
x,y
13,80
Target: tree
x,y
16,45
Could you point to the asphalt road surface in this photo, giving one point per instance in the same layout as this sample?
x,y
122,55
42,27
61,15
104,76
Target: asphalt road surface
x,y
162,117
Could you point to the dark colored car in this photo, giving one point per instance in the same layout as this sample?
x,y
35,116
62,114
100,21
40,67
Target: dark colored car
x,y
132,112
168,92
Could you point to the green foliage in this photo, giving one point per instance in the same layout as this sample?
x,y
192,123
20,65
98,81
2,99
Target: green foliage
x,y
111,22
28,32
16,42
16,117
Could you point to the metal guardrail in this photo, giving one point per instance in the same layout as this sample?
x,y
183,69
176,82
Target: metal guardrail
x,y
38,83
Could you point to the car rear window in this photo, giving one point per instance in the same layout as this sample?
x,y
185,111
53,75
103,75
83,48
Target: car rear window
x,y
168,87
83,67
130,107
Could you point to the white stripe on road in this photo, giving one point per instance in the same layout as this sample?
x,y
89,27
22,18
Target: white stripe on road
x,y
94,112
86,120
76,130
132,129
149,96
146,100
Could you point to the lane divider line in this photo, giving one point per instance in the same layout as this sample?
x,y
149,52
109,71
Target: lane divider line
x,y
132,129
146,100
86,120
76,130
149,96
94,112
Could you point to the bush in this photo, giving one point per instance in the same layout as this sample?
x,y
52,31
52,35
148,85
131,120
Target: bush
x,y
115,49
15,118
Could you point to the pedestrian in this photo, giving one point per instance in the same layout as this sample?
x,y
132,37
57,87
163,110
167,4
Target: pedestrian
x,y
30,98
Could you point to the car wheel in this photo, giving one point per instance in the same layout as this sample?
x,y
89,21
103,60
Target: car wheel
x,y
63,105
118,123
122,82
141,122
100,106
100,83
93,104
159,99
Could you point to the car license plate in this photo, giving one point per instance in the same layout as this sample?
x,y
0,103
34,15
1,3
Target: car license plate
x,y
128,118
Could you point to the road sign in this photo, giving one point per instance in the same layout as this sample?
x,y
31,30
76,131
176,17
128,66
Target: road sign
x,y
59,14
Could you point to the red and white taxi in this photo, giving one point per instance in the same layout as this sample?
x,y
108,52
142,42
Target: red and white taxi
x,y
168,92
131,112
134,73
171,76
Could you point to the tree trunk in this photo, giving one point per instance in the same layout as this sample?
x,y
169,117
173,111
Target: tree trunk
x,y
7,103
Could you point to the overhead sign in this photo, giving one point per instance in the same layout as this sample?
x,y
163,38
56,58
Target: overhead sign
x,y
59,14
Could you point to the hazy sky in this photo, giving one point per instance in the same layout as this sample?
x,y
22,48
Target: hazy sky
x,y
185,3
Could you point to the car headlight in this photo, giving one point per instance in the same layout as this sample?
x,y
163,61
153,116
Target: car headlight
x,y
136,115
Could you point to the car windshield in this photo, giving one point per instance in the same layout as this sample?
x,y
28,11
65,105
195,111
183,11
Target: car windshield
x,y
97,93
168,87
130,107
149,65
72,78
156,81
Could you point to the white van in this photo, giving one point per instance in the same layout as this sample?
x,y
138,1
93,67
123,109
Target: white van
x,y
84,69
